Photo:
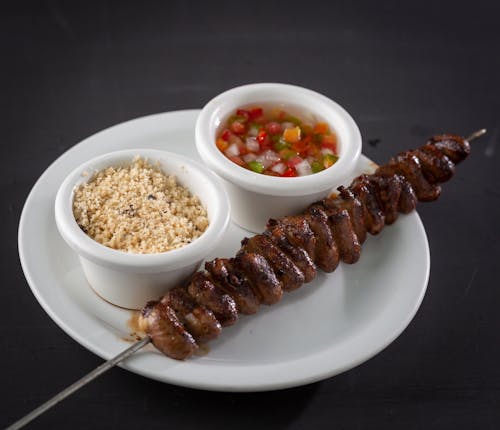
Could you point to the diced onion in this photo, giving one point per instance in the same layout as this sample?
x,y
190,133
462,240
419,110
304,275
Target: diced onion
x,y
232,150
252,144
233,139
287,124
279,168
325,151
253,131
303,168
268,158
247,158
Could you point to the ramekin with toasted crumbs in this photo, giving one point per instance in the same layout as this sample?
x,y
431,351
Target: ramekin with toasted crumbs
x,y
138,209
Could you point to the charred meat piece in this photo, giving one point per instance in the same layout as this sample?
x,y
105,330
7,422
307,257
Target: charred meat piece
x,y
298,232
345,238
407,199
326,251
436,166
347,200
408,165
343,233
456,148
197,319
366,193
389,192
234,283
166,331
205,292
264,282
298,255
286,271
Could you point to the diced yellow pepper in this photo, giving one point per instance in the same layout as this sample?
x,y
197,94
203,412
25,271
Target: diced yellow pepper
x,y
292,135
321,128
222,144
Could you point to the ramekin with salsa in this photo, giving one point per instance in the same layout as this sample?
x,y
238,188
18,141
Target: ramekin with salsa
x,y
274,142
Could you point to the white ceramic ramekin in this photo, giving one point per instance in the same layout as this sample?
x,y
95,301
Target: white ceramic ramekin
x,y
255,197
126,279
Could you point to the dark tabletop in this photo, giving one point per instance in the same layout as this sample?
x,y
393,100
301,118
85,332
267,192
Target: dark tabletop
x,y
403,72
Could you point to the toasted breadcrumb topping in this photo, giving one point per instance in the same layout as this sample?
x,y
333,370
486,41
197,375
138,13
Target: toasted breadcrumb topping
x,y
138,209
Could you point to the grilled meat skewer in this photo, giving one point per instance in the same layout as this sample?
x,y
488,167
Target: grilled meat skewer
x,y
286,255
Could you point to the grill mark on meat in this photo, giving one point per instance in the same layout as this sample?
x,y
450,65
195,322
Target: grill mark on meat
x,y
456,148
365,192
205,292
234,283
297,254
167,332
326,252
436,166
356,211
298,232
262,278
408,165
197,319
389,192
285,269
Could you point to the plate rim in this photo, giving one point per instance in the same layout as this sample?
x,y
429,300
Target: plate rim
x,y
134,367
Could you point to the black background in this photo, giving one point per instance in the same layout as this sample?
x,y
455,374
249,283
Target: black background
x,y
403,70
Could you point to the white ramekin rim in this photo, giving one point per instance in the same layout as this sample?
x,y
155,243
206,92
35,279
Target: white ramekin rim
x,y
90,249
223,104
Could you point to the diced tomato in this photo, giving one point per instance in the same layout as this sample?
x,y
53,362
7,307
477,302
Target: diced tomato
x,y
238,161
243,113
261,136
256,112
273,127
329,141
313,151
282,115
289,173
302,146
222,144
225,134
243,148
270,173
292,162
238,127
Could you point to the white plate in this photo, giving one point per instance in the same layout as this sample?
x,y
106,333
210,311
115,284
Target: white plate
x,y
324,328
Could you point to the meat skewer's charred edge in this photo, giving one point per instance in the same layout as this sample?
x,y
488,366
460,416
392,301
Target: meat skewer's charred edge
x,y
286,255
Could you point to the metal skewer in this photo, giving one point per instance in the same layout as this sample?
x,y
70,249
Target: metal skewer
x,y
79,384
115,360
476,134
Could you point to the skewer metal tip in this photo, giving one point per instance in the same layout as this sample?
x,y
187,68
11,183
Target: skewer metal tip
x,y
476,134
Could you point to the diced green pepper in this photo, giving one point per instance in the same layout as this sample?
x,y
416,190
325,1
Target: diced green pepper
x,y
280,143
286,154
316,167
293,119
256,166
329,160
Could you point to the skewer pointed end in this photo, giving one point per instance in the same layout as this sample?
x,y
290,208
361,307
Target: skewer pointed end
x,y
476,134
